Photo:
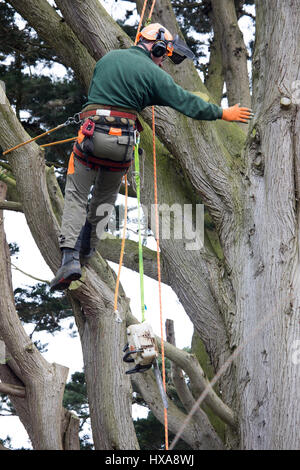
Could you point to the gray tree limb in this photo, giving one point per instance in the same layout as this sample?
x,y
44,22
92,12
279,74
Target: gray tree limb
x,y
192,368
202,438
11,206
234,52
10,389
51,27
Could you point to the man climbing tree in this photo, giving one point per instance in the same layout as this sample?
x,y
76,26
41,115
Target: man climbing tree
x,y
241,291
124,83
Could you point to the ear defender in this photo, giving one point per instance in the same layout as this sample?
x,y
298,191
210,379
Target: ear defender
x,y
159,48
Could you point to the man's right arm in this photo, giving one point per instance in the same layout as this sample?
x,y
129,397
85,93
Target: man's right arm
x,y
168,93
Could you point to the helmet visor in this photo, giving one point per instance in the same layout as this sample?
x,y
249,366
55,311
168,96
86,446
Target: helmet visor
x,y
180,51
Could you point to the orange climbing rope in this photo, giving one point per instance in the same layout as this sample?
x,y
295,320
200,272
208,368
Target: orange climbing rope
x,y
33,139
122,249
59,142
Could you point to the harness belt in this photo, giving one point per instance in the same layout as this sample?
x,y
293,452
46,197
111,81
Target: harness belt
x,y
106,112
95,163
110,111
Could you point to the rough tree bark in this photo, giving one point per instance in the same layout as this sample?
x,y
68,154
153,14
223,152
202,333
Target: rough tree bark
x,y
265,255
234,52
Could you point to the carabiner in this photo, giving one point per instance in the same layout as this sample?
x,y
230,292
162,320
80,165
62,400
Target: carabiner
x,y
73,120
77,119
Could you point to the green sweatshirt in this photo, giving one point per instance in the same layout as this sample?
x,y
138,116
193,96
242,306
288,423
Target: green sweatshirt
x,y
128,78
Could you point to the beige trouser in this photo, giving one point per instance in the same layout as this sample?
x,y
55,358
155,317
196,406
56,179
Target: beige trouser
x,y
105,191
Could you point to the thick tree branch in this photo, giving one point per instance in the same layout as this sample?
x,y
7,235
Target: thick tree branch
x,y
50,26
7,179
14,390
198,437
29,170
234,52
110,250
192,368
11,206
196,296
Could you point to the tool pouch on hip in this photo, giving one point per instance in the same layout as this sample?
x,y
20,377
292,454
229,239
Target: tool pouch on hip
x,y
113,144
105,145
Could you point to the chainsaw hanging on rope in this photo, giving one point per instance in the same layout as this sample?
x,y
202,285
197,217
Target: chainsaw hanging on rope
x,y
141,348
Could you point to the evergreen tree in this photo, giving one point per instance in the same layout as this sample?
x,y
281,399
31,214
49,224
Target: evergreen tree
x,y
41,101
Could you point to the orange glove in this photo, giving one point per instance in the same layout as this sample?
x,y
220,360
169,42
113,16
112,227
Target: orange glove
x,y
235,113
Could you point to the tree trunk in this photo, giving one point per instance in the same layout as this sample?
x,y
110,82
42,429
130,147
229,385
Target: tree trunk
x,y
234,52
44,383
265,255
